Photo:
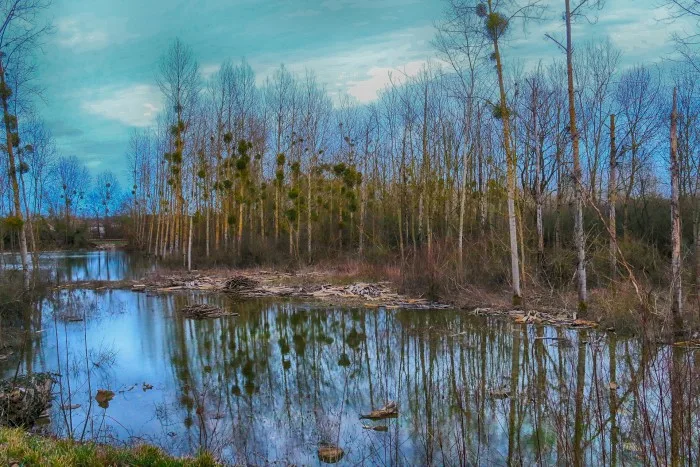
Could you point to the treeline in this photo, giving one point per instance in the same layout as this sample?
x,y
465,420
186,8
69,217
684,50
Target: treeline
x,y
460,167
63,205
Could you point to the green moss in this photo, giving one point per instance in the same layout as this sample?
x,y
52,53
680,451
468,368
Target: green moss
x,y
582,307
517,300
18,446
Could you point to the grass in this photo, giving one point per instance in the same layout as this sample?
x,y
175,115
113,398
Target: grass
x,y
18,447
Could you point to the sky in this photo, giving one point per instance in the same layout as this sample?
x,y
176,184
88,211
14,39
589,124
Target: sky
x,y
98,68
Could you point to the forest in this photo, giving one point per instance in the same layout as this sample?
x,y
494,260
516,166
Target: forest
x,y
575,179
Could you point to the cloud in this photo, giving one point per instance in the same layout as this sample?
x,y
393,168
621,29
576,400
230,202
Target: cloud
x,y
80,35
378,78
207,71
136,105
87,32
359,68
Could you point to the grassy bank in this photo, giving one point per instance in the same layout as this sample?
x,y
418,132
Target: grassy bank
x,y
18,447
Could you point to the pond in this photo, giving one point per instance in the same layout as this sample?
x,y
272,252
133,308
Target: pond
x,y
282,378
84,265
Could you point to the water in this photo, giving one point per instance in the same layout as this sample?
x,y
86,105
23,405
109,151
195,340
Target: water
x,y
283,377
104,265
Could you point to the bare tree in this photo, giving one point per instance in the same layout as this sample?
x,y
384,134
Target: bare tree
x,y
178,80
21,27
570,13
497,18
676,265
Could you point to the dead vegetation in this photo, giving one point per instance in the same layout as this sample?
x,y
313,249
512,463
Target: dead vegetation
x,y
25,399
311,285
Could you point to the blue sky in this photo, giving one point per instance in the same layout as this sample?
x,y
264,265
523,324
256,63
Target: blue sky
x,y
98,69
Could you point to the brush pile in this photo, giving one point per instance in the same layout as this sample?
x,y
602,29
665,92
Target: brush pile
x,y
24,399
240,285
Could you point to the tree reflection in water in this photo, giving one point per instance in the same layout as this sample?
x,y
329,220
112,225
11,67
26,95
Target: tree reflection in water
x,y
282,379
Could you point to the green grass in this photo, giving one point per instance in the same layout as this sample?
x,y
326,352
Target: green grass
x,y
18,447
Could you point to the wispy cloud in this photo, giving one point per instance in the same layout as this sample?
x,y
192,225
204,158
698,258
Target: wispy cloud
x,y
78,34
378,78
87,32
136,105
359,68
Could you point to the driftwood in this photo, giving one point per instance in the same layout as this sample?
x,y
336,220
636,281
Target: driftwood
x,y
24,399
262,285
390,410
203,311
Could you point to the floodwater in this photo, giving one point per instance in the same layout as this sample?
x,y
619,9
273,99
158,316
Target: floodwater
x,y
84,265
282,378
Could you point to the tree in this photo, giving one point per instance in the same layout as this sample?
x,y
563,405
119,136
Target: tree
x,y
178,80
71,180
676,265
21,27
579,235
465,51
497,19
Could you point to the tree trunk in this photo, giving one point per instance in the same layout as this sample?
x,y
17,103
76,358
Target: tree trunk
x,y
189,247
676,292
612,199
579,238
511,168
207,233
308,213
5,94
462,207
697,259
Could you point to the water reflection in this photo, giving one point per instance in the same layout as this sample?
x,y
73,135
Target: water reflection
x,y
104,265
282,379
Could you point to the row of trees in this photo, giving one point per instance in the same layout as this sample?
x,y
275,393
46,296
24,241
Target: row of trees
x,y
470,159
58,194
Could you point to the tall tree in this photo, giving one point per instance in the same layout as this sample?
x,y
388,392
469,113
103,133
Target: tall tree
x,y
570,13
497,18
676,265
21,27
178,80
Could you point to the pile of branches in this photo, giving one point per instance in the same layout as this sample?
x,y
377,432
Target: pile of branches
x,y
203,311
240,284
24,399
368,291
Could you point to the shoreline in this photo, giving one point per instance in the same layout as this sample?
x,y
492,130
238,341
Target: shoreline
x,y
323,286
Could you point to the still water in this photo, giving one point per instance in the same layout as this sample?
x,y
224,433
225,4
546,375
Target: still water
x,y
105,265
282,378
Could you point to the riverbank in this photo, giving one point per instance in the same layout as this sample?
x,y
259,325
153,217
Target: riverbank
x,y
344,285
19,448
